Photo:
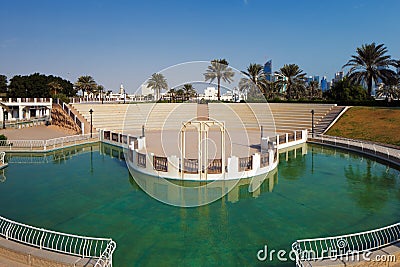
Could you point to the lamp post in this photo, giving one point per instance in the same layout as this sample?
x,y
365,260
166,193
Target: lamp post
x,y
4,118
91,122
312,123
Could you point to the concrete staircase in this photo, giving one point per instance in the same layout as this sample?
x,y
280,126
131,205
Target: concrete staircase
x,y
327,120
60,118
202,112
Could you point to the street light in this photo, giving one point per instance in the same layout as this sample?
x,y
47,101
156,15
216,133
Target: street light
x,y
4,118
91,122
312,123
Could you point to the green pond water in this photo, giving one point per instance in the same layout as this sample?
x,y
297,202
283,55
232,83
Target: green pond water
x,y
89,191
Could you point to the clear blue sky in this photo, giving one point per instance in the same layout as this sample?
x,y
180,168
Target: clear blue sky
x,y
127,41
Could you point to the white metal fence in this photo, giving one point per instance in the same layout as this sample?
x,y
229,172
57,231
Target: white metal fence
x,y
32,145
70,113
379,150
82,246
344,245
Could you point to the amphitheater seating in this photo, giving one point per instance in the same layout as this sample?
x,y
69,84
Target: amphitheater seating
x,y
286,116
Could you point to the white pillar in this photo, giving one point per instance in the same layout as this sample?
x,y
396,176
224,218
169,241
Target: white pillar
x,y
20,110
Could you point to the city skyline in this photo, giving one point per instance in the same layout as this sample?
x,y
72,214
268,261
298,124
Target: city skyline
x,y
125,42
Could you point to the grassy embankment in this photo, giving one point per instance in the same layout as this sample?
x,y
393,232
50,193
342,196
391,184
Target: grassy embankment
x,y
369,123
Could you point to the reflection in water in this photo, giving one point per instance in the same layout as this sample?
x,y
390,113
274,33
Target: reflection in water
x,y
369,187
293,162
2,176
56,157
189,192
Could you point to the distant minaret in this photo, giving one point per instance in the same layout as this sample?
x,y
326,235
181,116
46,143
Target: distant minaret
x,y
121,89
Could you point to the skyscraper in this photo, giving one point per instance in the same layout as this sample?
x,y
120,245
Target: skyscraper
x,y
339,76
268,70
324,84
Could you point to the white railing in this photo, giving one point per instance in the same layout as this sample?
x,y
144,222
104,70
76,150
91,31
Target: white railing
x,y
379,150
59,142
18,124
105,259
81,246
2,155
344,245
71,114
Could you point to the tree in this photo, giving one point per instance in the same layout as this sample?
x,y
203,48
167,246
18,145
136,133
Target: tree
x,y
292,77
254,82
3,84
172,94
346,90
157,82
180,94
313,87
189,91
86,84
370,64
39,85
100,90
55,87
391,90
219,70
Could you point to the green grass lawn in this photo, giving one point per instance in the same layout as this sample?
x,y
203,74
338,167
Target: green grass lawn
x,y
369,123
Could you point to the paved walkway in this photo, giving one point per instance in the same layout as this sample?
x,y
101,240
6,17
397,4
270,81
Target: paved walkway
x,y
40,132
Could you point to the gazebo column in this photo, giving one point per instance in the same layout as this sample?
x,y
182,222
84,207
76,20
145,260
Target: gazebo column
x,y
183,150
223,149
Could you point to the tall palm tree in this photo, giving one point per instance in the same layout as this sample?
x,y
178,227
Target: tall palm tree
x,y
157,82
255,79
86,83
370,64
293,77
219,70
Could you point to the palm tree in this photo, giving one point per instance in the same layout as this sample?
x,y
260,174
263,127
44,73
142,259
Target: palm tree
x,y
86,83
391,90
180,94
100,90
189,91
157,82
219,70
54,86
370,64
172,94
255,79
293,77
312,87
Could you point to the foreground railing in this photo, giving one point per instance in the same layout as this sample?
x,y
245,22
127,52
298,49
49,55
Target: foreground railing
x,y
105,259
344,245
82,246
59,142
